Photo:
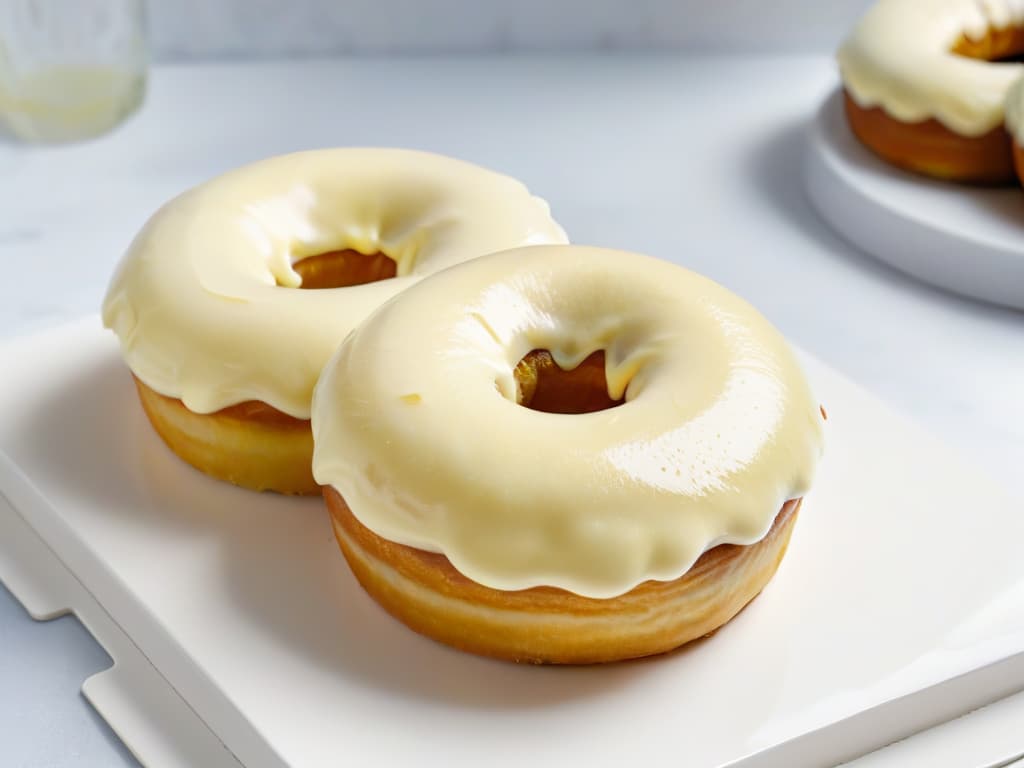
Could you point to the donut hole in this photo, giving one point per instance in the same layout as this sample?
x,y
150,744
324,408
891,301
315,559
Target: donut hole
x,y
544,386
1004,45
344,268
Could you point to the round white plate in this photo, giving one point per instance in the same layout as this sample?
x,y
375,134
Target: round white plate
x,y
968,240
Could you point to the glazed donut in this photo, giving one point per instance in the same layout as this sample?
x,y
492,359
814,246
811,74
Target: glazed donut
x,y
225,351
1015,125
580,455
925,88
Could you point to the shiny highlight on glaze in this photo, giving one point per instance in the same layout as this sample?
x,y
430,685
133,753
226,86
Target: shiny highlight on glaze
x,y
416,421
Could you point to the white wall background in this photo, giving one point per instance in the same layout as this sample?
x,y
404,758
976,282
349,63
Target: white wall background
x,y
184,29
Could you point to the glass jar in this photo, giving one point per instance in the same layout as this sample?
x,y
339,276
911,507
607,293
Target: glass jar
x,y
70,69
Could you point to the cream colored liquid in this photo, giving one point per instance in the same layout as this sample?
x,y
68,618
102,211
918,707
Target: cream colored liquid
x,y
64,104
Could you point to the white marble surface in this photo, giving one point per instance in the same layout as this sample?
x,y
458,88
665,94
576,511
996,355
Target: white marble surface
x,y
654,154
184,29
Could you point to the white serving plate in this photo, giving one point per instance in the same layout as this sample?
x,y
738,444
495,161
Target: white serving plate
x,y
231,616
969,240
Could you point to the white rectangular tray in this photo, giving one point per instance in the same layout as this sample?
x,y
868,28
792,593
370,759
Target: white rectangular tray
x,y
900,605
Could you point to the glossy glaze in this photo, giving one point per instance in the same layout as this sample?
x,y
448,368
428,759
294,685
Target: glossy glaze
x,y
203,301
416,421
900,57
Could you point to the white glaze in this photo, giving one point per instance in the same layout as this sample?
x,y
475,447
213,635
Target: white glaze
x,y
203,301
899,57
415,421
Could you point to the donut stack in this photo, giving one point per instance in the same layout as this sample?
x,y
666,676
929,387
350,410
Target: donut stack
x,y
529,450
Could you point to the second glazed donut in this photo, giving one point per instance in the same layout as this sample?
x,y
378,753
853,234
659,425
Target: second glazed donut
x,y
537,454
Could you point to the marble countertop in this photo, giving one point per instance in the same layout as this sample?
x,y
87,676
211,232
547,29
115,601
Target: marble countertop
x,y
693,159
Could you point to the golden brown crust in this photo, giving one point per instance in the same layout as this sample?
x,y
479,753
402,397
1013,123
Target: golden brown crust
x,y
550,625
253,411
543,386
929,148
1018,161
340,269
996,45
250,444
